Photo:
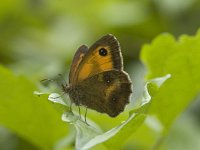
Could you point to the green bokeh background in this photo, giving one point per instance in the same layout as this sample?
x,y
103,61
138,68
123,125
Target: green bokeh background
x,y
38,39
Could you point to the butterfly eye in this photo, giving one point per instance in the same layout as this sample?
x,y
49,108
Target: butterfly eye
x,y
103,52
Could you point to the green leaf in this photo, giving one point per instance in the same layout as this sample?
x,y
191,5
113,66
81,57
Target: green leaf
x,y
141,113
182,60
30,117
88,136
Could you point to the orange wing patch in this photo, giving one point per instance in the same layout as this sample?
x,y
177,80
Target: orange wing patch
x,y
96,63
103,55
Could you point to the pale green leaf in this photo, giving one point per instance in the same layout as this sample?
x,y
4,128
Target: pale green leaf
x,y
181,59
88,136
31,117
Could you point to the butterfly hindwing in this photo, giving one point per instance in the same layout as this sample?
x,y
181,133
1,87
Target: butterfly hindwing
x,y
106,92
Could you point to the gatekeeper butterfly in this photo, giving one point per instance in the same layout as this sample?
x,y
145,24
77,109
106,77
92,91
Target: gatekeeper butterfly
x,y
97,79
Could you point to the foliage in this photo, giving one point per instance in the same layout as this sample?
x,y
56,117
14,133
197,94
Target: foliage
x,y
88,136
38,40
30,117
180,59
36,121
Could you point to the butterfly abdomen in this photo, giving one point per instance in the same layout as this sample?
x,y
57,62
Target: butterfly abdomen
x,y
75,94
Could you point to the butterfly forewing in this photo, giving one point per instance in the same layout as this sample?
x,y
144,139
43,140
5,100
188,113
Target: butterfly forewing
x,y
103,55
78,58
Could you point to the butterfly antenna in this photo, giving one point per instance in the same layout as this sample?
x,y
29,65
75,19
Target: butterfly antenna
x,y
49,80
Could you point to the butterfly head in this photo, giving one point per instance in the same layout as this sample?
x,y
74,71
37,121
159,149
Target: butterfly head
x,y
65,88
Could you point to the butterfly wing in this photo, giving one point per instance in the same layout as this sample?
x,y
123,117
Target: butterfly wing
x,y
106,92
103,55
78,58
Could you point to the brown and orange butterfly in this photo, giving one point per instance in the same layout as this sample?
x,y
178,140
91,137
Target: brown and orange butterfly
x,y
97,79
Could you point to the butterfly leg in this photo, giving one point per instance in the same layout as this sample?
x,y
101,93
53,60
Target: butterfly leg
x,y
86,115
79,110
70,106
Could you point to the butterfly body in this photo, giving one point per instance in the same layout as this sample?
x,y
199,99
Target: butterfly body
x,y
97,79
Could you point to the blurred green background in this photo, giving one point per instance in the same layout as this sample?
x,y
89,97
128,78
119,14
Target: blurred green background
x,y
38,39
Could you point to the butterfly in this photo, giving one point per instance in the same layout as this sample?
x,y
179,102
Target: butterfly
x,y
97,79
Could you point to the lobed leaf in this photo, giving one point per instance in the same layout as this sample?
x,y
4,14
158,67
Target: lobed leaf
x,y
181,59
